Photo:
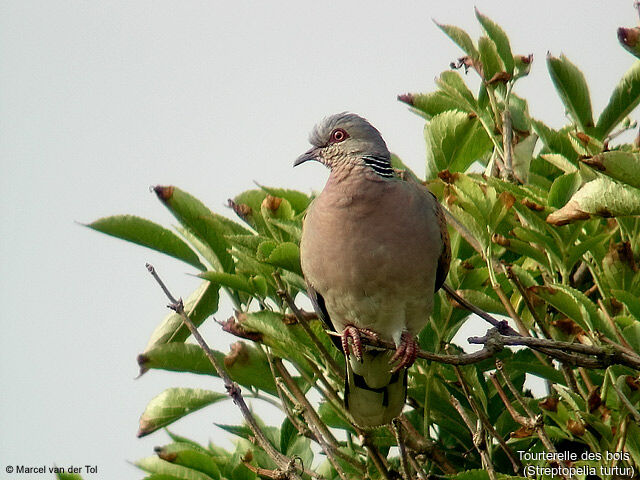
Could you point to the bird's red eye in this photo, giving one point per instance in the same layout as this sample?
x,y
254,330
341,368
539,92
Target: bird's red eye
x,y
338,135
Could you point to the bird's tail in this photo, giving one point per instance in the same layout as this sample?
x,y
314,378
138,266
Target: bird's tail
x,y
373,395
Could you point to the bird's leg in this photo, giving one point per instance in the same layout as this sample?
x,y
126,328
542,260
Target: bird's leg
x,y
354,333
406,352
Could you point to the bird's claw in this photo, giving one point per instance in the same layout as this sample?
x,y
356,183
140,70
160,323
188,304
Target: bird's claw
x,y
406,353
354,334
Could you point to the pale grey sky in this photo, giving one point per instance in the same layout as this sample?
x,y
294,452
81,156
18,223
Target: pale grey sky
x,y
100,100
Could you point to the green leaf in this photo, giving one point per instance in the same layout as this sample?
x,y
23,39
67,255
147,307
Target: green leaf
x,y
461,38
483,301
177,357
173,404
585,145
499,210
633,442
624,99
245,363
525,249
298,200
287,341
184,454
632,302
522,155
285,255
68,476
292,228
522,65
619,165
500,39
563,188
587,245
560,162
198,306
201,247
453,85
573,90
197,218
162,469
631,334
248,365
180,439
454,142
252,199
473,224
601,197
555,141
148,234
433,103
491,63
234,281
293,444
161,476
574,304
519,110
541,239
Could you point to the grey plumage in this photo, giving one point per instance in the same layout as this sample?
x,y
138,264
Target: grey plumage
x,y
373,251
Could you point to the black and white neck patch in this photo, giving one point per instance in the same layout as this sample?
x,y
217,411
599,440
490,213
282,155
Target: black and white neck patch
x,y
381,165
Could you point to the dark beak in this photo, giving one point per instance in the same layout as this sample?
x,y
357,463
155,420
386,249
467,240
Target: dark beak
x,y
311,154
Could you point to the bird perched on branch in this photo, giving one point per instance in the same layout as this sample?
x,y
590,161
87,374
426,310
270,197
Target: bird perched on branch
x,y
374,250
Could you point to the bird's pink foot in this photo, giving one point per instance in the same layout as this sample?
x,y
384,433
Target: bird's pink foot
x,y
354,333
406,353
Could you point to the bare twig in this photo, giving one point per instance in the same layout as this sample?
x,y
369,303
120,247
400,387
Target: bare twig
x,y
416,467
282,392
552,348
462,359
571,380
328,391
519,418
531,421
284,463
420,444
404,462
507,142
486,423
502,326
325,438
478,438
377,459
557,349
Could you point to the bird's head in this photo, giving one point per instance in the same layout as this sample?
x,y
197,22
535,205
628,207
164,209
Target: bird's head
x,y
345,140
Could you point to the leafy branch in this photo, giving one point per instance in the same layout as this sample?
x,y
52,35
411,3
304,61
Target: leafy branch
x,y
287,466
545,236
